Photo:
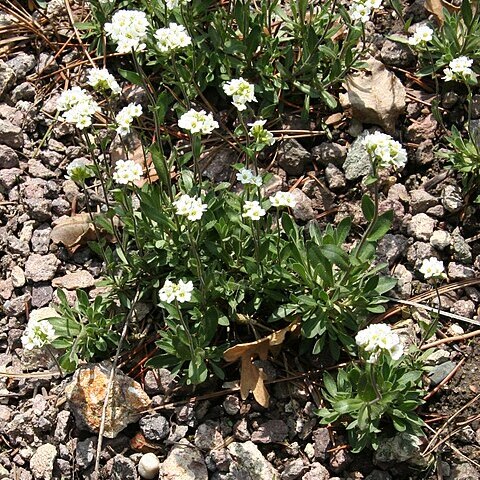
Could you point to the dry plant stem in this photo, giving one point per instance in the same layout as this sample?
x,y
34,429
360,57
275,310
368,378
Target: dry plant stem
x,y
445,380
110,383
456,338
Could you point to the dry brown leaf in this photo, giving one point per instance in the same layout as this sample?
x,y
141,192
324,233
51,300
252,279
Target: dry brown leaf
x,y
435,7
251,377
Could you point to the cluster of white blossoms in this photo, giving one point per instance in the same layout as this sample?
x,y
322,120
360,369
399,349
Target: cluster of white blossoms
x,y
198,122
128,29
253,210
247,177
125,117
78,107
102,80
423,34
377,339
172,38
362,9
241,92
77,169
460,69
171,4
127,171
181,291
39,331
432,268
260,134
190,207
283,199
385,151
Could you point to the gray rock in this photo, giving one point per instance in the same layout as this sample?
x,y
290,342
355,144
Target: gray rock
x,y
417,252
303,210
465,308
321,438
22,64
41,238
177,432
121,468
450,98
61,429
271,431
440,372
294,468
24,91
398,192
322,198
18,277
462,252
317,472
16,245
378,475
451,198
85,452
8,157
222,459
357,164
421,226
240,430
38,170
249,463
334,177
46,63
7,78
422,129
10,134
391,247
340,460
459,272
208,436
424,154
397,54
329,153
41,463
72,281
155,427
16,306
6,288
292,157
9,177
40,268
464,471
184,462
421,201
231,404
402,447
218,167
42,294
440,239
159,381
39,208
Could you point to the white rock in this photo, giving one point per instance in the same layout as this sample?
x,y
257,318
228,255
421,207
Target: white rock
x,y
18,277
148,466
41,463
440,239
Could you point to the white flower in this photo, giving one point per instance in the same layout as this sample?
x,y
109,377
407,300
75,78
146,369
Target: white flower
x,y
241,92
77,169
460,69
128,29
283,199
39,331
78,107
190,207
385,151
101,79
197,122
362,9
246,177
182,292
171,4
377,339
127,171
172,38
260,134
422,35
253,210
125,117
432,268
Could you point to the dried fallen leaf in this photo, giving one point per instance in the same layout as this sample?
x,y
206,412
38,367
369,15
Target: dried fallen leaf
x,y
375,95
251,377
435,7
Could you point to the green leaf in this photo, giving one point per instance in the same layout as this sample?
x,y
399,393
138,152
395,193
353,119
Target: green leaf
x,y
381,226
132,77
368,208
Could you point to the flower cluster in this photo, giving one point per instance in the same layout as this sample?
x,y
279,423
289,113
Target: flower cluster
x,y
127,171
422,35
172,38
260,134
39,331
102,80
197,122
241,92
125,117
460,69
171,4
128,29
78,107
190,207
181,291
253,210
283,199
377,339
247,177
78,170
432,268
385,151
362,9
